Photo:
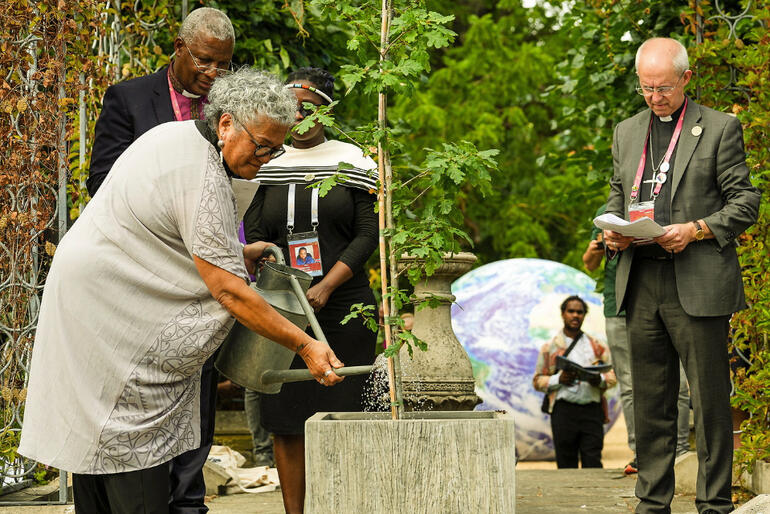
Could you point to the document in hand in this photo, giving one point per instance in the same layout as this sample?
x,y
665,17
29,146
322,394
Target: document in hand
x,y
644,228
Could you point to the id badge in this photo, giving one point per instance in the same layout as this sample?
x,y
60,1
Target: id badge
x,y
305,253
641,210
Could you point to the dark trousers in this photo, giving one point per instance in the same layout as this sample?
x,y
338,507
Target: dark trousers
x,y
135,492
660,334
578,434
187,486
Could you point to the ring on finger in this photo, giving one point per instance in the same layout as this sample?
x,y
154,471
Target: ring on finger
x,y
327,372
322,381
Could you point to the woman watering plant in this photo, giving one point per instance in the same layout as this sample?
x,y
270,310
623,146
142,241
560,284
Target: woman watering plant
x,y
341,229
143,289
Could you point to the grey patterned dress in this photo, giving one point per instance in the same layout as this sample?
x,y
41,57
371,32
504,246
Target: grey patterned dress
x,y
126,321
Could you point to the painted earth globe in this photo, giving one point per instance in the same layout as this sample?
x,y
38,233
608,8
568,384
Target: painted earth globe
x,y
505,311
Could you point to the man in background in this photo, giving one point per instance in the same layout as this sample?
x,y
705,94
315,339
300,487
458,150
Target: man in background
x,y
577,413
202,51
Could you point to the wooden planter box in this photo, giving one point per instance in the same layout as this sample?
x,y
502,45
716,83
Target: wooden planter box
x,y
429,462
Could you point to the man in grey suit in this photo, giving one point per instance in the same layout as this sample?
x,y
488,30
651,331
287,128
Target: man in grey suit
x,y
684,165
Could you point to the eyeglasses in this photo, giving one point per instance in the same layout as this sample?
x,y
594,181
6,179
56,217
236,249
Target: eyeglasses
x,y
261,150
662,90
208,67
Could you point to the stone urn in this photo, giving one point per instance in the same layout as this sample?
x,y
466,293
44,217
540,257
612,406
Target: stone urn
x,y
440,378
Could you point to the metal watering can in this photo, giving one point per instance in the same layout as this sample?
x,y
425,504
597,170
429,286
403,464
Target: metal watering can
x,y
258,363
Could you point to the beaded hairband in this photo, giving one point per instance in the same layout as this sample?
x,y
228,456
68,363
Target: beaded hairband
x,y
311,89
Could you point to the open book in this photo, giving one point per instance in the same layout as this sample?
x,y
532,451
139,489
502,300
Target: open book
x,y
583,372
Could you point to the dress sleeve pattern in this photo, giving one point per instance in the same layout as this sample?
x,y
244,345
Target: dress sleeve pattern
x,y
143,428
215,235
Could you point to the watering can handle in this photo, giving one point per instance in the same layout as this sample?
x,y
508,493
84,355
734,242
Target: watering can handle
x,y
272,376
276,252
309,314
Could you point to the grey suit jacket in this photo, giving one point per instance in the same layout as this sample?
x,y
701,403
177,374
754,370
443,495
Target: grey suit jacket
x,y
710,181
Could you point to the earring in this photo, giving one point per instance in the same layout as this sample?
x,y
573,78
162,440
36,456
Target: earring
x,y
221,144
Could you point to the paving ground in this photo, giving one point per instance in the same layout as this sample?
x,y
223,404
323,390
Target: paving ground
x,y
574,491
595,491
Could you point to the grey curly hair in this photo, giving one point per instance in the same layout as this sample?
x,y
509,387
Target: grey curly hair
x,y
248,94
207,21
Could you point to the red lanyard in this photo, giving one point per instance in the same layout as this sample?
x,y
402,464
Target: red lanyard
x,y
661,178
174,101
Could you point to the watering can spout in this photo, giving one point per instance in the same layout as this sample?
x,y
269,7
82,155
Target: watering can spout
x,y
254,361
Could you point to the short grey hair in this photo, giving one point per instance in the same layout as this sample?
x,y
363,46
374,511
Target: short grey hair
x,y
680,60
249,94
207,21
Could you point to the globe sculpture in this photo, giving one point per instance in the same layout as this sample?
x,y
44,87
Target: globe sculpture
x,y
505,311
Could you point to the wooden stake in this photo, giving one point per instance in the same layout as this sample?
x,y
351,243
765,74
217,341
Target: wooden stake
x,y
385,222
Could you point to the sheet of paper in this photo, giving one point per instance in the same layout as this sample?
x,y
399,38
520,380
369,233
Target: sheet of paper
x,y
641,228
244,191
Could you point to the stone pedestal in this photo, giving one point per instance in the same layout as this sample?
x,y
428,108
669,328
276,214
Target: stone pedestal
x,y
440,378
424,463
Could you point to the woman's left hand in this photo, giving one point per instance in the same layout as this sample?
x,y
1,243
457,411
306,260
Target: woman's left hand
x,y
252,255
318,295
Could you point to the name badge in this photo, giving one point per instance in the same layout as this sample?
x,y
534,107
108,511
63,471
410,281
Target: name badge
x,y
640,210
305,253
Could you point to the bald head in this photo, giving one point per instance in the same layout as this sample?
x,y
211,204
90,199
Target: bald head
x,y
663,52
663,71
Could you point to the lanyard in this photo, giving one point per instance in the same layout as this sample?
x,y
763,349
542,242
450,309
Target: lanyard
x,y
174,101
194,106
661,178
290,207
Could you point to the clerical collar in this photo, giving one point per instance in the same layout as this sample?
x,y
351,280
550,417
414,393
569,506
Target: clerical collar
x,y
672,116
178,87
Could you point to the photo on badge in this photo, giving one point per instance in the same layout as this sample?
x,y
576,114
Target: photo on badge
x,y
305,253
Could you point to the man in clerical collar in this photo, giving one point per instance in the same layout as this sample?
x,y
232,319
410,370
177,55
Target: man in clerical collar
x,y
203,51
683,165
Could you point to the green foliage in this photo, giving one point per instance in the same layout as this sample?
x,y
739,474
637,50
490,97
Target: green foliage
x,y
490,91
421,199
366,312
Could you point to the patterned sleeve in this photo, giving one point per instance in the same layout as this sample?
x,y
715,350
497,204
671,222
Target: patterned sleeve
x,y
215,228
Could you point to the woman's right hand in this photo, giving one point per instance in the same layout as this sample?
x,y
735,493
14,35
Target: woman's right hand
x,y
320,360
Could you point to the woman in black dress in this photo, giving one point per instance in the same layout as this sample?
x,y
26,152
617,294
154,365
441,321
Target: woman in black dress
x,y
347,234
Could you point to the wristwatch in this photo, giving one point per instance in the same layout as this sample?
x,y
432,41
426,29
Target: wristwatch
x,y
699,233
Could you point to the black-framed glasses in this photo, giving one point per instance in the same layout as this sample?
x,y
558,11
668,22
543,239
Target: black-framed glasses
x,y
207,67
261,150
662,90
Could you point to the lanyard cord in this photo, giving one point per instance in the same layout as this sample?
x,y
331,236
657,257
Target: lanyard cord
x,y
664,167
290,208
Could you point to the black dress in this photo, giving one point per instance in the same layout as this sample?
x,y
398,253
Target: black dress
x,y
347,232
